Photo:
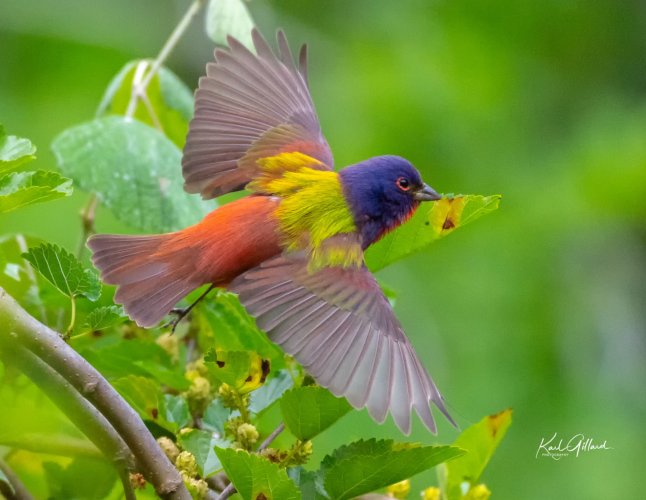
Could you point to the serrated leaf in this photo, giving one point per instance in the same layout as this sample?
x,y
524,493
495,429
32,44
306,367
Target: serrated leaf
x,y
480,441
243,370
429,225
365,466
135,171
104,317
253,475
229,17
308,411
270,392
202,445
169,103
64,271
14,151
20,189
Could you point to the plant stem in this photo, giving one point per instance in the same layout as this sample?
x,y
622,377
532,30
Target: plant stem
x,y
19,326
231,489
87,222
70,327
53,445
19,491
139,90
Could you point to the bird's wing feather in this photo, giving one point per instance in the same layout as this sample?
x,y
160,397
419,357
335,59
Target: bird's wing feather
x,y
338,324
249,106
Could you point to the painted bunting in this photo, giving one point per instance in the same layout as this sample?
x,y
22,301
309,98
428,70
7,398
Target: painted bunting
x,y
293,249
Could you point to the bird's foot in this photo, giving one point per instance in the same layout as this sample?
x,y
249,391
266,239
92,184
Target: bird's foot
x,y
180,313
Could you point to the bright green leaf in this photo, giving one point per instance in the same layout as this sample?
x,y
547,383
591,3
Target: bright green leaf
x,y
229,17
202,445
14,151
215,416
365,466
146,398
310,410
104,317
310,483
428,225
253,475
271,391
19,189
82,478
134,169
64,271
242,370
480,441
168,103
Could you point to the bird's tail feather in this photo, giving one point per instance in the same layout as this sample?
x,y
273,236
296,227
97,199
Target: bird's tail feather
x,y
151,273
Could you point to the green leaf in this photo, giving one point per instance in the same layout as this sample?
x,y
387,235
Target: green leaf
x,y
176,411
134,169
429,225
271,391
229,17
242,370
480,441
14,151
310,483
365,466
20,189
64,271
82,478
310,410
253,475
146,398
169,105
202,445
215,416
104,317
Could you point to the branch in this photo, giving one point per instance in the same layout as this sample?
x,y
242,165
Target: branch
x,y
53,445
230,489
48,345
139,89
19,491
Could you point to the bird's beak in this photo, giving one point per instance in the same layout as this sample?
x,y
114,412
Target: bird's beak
x,y
427,193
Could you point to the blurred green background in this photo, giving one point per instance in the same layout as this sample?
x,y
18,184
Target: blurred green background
x,y
540,306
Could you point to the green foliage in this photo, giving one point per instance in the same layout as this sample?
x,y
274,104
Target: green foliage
x,y
20,189
167,104
104,317
364,466
64,271
135,171
203,445
271,391
14,151
310,410
82,478
480,442
428,225
253,476
229,17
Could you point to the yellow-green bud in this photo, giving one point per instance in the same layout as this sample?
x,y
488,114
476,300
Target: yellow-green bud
x,y
399,490
431,493
169,448
478,492
247,435
169,343
196,487
185,462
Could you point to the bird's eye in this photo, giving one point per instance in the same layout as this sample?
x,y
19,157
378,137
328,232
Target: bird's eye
x,y
403,183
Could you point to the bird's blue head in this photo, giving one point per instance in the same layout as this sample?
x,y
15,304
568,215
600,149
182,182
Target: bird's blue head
x,y
383,192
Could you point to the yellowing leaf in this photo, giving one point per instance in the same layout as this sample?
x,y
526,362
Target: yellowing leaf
x,y
429,224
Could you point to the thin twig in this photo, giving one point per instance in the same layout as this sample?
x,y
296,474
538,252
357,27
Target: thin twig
x,y
87,223
19,491
48,345
52,445
139,90
231,489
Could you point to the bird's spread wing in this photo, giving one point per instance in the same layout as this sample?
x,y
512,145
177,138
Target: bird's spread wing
x,y
339,325
249,106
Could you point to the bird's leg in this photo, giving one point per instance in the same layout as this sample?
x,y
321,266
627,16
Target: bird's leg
x,y
181,312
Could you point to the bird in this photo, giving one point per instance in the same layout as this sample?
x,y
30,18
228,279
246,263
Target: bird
x,y
293,247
